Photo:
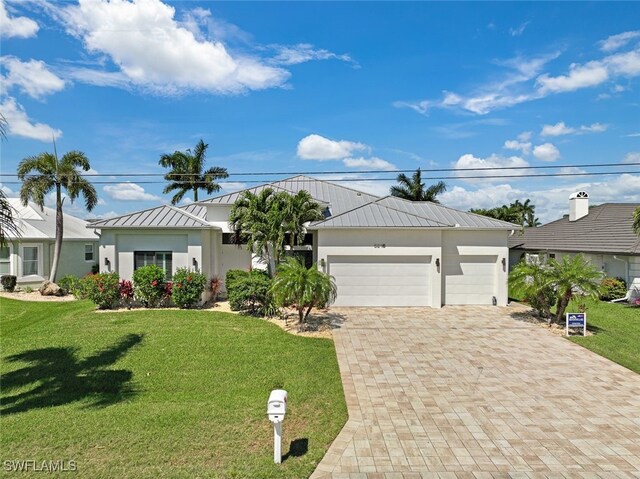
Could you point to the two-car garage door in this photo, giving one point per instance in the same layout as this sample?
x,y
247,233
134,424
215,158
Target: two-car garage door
x,y
381,280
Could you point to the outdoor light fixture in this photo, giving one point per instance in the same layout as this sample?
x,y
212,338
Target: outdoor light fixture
x,y
438,262
504,264
106,262
194,262
323,263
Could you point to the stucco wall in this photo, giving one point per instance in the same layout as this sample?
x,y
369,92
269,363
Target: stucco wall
x,y
218,216
72,258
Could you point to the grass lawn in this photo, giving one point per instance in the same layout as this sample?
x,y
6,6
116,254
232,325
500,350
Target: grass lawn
x,y
150,394
616,329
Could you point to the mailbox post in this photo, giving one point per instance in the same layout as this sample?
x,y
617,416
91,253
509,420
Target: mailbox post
x,y
276,409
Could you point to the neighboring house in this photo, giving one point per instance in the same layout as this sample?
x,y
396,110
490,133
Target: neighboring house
x,y
381,251
29,256
603,233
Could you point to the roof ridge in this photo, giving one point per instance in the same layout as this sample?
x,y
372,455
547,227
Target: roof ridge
x,y
179,210
126,214
407,213
332,183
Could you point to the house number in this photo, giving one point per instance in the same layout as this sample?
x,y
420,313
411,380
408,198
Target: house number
x,y
379,245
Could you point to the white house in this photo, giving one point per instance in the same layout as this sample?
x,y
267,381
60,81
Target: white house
x,y
381,251
29,256
603,233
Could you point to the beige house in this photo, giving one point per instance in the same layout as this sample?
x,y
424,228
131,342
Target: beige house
x,y
603,233
30,255
381,251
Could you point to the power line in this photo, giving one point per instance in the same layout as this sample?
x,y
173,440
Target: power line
x,y
544,175
361,172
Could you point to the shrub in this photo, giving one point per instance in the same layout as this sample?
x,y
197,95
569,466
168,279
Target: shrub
x,y
612,288
103,289
69,284
250,292
188,287
8,282
95,269
126,293
149,285
215,285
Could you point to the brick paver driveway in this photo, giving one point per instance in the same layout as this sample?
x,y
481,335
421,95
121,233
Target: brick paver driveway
x,y
471,392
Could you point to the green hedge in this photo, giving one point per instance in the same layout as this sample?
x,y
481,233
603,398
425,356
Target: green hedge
x,y
187,287
250,292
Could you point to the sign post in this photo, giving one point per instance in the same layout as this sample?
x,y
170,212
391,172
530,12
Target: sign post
x,y
576,320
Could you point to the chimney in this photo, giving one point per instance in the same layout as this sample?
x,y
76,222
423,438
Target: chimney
x,y
578,205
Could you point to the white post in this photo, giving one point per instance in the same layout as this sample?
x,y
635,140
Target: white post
x,y
277,442
584,329
567,325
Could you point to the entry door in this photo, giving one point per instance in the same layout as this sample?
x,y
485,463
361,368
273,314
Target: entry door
x,y
381,280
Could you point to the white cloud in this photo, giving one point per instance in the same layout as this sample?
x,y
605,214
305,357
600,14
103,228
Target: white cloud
x,y
19,124
625,64
579,76
558,129
632,135
373,163
129,192
546,152
231,186
155,52
304,52
316,147
632,157
468,161
8,191
615,42
551,203
519,30
33,77
18,27
524,136
524,147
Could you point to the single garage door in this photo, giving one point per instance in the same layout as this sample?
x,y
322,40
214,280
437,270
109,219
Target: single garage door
x,y
381,280
469,279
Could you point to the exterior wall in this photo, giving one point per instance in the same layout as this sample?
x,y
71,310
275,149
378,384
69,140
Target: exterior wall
x,y
349,242
72,258
218,216
634,268
233,257
481,243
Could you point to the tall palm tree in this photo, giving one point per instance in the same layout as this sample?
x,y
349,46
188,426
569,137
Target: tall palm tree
x,y
301,209
636,221
53,174
8,224
188,174
413,189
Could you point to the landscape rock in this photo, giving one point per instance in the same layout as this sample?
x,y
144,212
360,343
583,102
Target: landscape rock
x,y
50,289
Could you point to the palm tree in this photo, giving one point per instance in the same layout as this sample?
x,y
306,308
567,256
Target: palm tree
x,y
571,277
301,209
303,288
51,174
258,220
532,282
8,224
187,173
413,189
636,221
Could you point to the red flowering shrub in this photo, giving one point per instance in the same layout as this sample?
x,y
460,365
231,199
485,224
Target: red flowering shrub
x,y
126,292
103,289
188,287
149,285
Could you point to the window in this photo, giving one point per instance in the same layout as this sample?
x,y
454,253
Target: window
x,y
29,260
163,259
229,238
88,252
5,260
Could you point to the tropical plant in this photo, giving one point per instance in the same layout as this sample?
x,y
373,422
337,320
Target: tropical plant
x,y
149,285
636,221
103,289
187,287
300,209
250,292
612,288
8,282
413,189
8,225
188,173
69,283
517,212
573,276
533,283
53,174
126,292
215,285
303,288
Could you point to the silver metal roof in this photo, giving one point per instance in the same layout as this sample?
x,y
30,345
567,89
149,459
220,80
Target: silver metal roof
x,y
164,216
376,215
36,223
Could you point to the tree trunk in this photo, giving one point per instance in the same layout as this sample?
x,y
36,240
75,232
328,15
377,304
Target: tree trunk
x,y
271,259
59,232
562,306
195,194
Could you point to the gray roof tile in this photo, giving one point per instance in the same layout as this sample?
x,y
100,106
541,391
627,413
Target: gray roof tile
x,y
606,229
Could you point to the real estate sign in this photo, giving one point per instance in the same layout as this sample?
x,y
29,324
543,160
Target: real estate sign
x,y
577,320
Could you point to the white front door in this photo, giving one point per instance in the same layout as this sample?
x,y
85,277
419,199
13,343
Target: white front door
x,y
381,280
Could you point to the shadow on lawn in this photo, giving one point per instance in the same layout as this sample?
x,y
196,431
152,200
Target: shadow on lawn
x,y
297,448
61,378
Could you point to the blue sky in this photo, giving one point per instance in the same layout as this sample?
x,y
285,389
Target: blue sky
x,y
331,86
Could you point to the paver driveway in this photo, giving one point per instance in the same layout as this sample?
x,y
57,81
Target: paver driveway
x,y
471,392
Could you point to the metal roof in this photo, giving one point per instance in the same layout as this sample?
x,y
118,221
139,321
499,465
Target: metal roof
x,y
339,198
376,215
36,223
606,229
164,216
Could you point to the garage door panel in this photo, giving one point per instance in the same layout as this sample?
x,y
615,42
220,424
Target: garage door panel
x,y
381,280
469,279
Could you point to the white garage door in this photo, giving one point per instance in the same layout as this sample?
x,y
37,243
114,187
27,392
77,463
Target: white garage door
x,y
381,280
469,279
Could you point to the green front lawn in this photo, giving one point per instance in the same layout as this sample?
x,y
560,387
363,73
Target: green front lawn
x,y
616,329
150,394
